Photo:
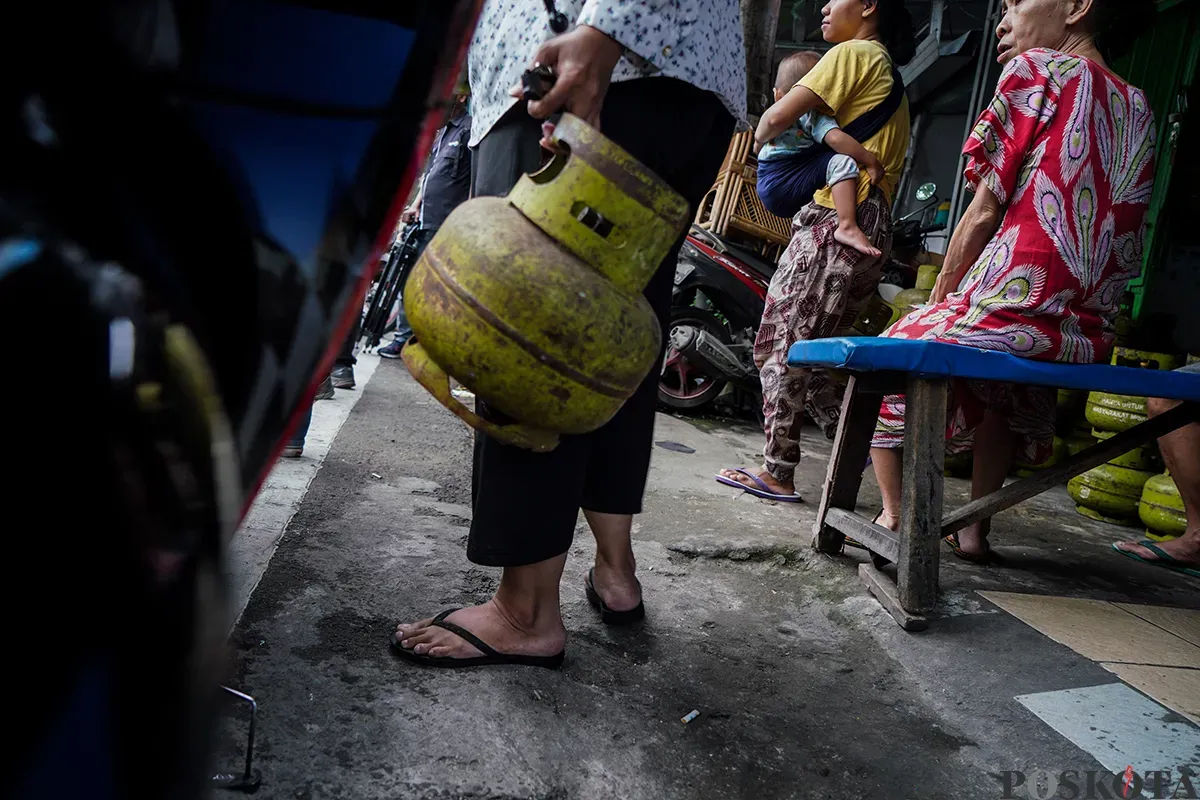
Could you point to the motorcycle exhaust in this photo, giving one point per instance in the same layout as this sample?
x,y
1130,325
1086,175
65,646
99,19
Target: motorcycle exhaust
x,y
711,354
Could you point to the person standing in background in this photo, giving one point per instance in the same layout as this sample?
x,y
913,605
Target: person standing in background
x,y
446,185
821,284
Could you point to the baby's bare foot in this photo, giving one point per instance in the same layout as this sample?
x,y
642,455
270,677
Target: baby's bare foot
x,y
854,237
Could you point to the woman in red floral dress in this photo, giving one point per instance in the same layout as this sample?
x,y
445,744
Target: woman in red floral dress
x,y
1062,166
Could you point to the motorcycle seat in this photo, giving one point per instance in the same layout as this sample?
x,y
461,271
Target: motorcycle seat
x,y
752,260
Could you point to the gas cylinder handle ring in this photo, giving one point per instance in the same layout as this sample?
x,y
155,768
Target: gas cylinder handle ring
x,y
437,383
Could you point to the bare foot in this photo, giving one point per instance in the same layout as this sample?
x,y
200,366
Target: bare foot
x,y
617,584
764,476
1185,549
854,237
492,623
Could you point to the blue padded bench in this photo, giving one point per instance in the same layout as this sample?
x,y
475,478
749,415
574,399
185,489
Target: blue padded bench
x,y
921,371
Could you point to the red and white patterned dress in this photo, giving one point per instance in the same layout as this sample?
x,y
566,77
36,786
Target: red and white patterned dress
x,y
1068,149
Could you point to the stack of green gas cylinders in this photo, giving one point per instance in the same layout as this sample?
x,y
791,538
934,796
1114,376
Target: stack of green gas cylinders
x,y
1113,492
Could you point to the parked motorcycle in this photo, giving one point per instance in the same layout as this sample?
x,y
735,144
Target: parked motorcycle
x,y
909,234
720,292
394,267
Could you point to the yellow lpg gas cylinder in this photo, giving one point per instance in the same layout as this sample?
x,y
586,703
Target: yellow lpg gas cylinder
x,y
1077,443
533,301
1116,413
1070,403
1144,458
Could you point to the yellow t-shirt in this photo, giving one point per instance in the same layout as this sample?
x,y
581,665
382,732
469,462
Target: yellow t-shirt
x,y
851,79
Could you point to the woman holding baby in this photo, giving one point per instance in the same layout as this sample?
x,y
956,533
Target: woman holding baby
x,y
831,267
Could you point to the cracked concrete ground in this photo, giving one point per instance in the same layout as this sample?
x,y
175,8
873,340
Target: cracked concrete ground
x,y
805,687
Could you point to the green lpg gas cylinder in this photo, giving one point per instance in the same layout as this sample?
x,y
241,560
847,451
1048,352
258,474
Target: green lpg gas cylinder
x,y
1161,508
1108,493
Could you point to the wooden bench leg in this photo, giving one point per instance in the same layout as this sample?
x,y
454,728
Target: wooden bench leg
x,y
884,589
851,446
921,514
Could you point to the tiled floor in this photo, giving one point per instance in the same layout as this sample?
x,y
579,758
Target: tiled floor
x,y
1155,649
1177,689
1118,727
1183,622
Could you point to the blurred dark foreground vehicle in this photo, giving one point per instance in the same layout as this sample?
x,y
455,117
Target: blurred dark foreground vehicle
x,y
190,196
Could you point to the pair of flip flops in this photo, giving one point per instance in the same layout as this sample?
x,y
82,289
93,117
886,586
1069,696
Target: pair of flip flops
x,y
759,487
1162,558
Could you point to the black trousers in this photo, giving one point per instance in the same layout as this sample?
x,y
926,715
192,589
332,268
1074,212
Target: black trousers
x,y
346,357
526,504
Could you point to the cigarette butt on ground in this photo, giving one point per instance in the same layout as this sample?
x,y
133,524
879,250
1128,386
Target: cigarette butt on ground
x,y
691,715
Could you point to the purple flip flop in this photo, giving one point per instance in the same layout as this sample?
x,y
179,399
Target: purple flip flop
x,y
760,489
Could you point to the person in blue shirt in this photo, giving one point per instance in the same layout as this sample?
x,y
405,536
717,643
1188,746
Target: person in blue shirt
x,y
446,185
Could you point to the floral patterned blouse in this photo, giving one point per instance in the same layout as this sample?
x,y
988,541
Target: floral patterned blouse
x,y
697,41
1068,149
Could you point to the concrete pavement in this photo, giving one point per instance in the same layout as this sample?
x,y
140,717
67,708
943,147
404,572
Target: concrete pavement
x,y
284,489
805,687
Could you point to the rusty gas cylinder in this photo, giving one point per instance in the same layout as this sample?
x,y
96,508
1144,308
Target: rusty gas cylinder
x,y
534,301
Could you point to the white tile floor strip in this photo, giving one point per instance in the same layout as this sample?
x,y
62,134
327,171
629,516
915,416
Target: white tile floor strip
x,y
256,540
1119,726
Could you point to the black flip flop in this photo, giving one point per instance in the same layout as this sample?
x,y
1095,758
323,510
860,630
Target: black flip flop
x,y
607,615
984,559
879,561
1162,558
489,658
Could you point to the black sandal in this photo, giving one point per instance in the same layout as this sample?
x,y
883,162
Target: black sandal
x,y
984,559
879,561
607,615
848,541
489,658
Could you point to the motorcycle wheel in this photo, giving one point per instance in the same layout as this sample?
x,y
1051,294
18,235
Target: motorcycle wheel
x,y
681,385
